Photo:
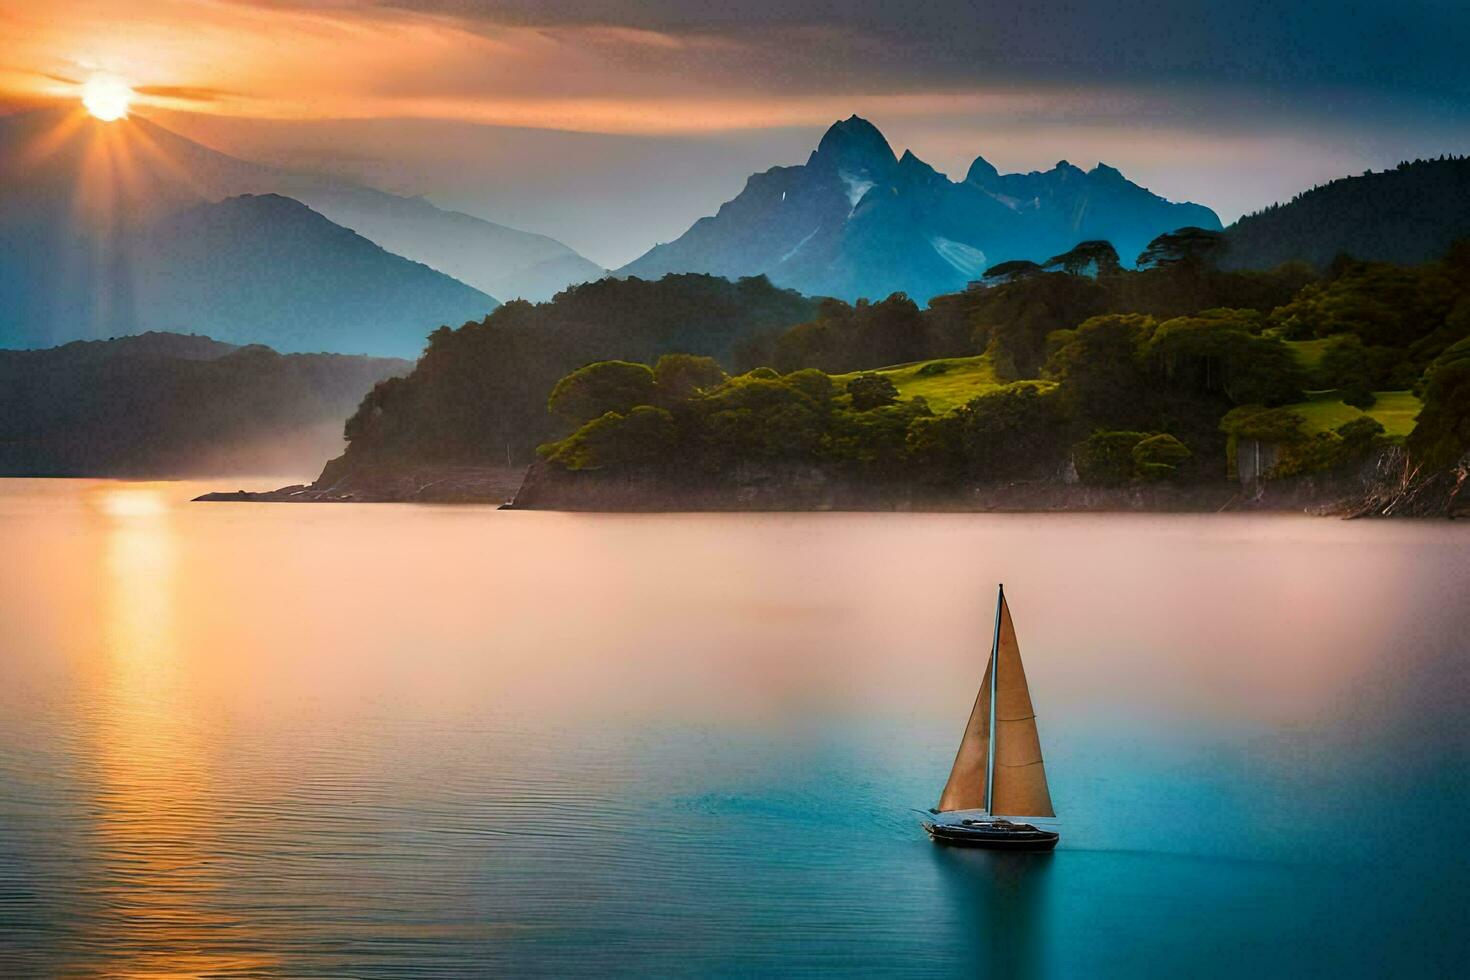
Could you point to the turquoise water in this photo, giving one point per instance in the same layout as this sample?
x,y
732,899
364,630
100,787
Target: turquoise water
x,y
268,740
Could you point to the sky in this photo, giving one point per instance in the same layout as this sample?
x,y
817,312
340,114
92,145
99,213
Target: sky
x,y
612,124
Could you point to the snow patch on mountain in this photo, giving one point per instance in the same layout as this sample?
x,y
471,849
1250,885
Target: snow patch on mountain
x,y
966,259
797,247
856,188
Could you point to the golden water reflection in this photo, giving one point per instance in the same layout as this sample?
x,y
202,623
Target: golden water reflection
x,y
157,803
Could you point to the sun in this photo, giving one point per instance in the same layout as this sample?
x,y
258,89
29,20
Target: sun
x,y
106,97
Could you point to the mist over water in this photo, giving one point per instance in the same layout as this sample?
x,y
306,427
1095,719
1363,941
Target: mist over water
x,y
254,739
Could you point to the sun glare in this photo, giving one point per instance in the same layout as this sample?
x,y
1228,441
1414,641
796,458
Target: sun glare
x,y
106,97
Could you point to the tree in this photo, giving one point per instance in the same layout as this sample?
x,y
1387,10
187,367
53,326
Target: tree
x,y
1279,427
816,385
606,386
1158,457
1217,351
845,338
1383,305
1013,270
1275,425
1096,257
680,376
643,435
935,447
876,438
1101,371
871,391
756,417
1442,435
1012,321
1017,431
1187,248
1105,458
1349,443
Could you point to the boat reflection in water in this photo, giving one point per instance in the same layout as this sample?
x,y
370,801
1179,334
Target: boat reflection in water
x,y
1000,902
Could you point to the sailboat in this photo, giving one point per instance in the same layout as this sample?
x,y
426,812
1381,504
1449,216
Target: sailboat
x,y
998,778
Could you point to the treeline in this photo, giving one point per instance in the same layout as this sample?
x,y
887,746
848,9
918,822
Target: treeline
x,y
1116,396
163,404
1409,215
1123,396
1013,317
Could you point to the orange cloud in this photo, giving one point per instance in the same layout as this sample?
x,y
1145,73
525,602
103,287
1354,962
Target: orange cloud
x,y
354,61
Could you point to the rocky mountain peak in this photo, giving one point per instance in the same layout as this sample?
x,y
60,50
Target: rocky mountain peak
x,y
853,145
982,172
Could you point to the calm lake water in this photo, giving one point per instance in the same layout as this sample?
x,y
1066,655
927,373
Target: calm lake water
x,y
371,740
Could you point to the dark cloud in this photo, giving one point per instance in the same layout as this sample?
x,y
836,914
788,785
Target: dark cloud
x,y
1413,46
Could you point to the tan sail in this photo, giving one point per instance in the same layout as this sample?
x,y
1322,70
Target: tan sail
x,y
966,787
1020,775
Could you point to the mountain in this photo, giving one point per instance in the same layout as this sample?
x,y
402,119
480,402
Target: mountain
x,y
501,261
161,404
1407,215
268,269
73,190
855,220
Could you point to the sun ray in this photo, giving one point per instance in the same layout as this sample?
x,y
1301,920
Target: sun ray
x,y
51,141
152,155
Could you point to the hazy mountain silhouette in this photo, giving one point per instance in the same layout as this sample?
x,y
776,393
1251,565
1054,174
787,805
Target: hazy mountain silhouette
x,y
267,269
161,404
855,221
74,191
501,261
1409,215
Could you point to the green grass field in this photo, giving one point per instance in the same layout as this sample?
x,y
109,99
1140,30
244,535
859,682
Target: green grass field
x,y
1394,410
965,378
1309,352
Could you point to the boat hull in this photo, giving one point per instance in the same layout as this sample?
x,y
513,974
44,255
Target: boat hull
x,y
1012,838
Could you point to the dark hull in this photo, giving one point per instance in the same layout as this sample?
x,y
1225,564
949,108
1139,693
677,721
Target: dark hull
x,y
995,839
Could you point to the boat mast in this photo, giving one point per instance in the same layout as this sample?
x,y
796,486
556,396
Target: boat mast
x,y
990,735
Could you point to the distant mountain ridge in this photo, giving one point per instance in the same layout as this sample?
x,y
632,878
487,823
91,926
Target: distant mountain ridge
x,y
857,221
503,262
267,269
74,192
1409,215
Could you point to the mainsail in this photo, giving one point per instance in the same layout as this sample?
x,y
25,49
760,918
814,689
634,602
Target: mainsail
x,y
1013,781
1020,775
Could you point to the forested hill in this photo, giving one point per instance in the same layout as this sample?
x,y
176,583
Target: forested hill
x,y
161,404
1408,215
480,391
1122,380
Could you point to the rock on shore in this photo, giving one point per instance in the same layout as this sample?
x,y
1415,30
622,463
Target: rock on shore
x,y
386,483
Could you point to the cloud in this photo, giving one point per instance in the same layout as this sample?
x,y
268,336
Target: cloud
x,y
1411,45
695,65
195,95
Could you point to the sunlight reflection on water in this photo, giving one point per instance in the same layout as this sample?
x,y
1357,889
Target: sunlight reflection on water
x,y
267,740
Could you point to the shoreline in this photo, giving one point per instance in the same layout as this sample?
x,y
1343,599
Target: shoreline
x,y
788,489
